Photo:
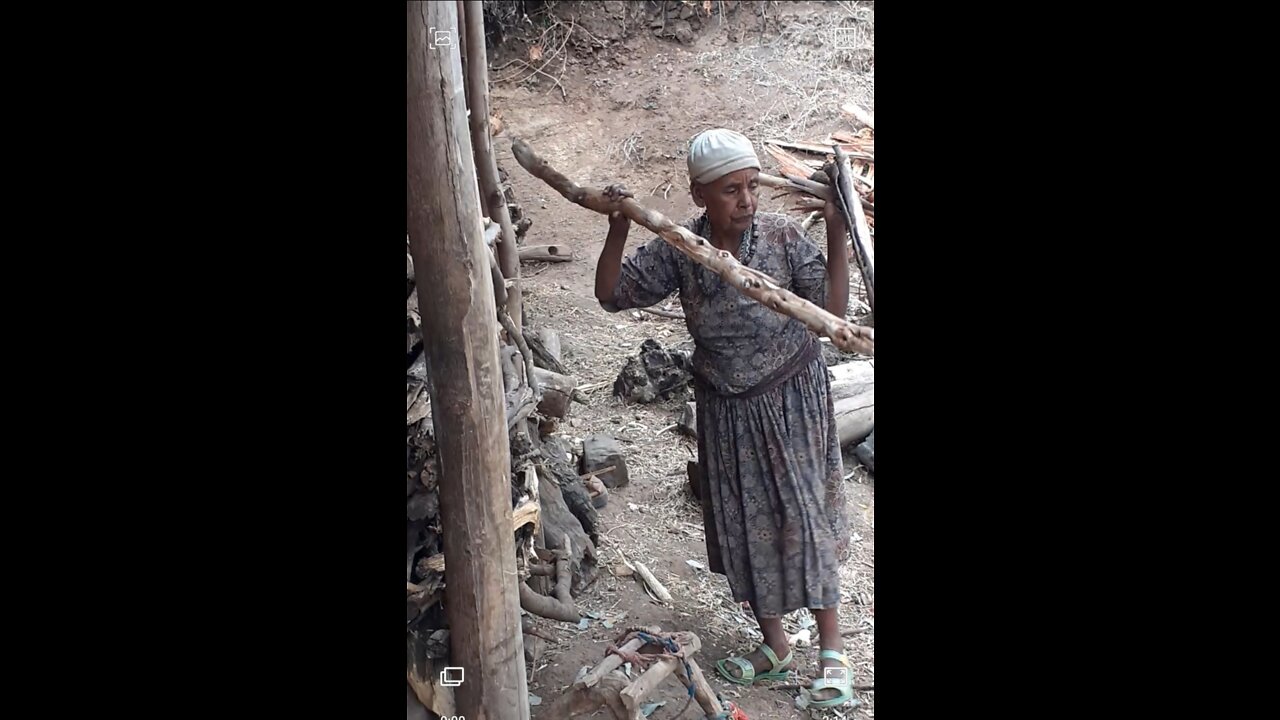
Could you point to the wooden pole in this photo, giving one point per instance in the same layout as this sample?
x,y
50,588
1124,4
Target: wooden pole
x,y
486,165
465,381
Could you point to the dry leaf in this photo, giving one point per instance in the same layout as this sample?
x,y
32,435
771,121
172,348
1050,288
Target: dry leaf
x,y
535,53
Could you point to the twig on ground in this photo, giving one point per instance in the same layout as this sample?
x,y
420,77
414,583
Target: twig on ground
x,y
663,313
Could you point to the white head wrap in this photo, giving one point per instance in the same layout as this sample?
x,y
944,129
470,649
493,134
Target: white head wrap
x,y
716,153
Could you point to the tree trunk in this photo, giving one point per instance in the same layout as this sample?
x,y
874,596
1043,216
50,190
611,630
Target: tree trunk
x,y
465,382
486,165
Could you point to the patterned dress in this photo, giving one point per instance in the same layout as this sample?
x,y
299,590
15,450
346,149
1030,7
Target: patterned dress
x,y
773,497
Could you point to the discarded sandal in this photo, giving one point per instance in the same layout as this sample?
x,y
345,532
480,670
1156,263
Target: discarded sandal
x,y
780,671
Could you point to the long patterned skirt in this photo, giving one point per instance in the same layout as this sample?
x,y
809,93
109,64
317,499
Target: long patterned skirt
x,y
772,493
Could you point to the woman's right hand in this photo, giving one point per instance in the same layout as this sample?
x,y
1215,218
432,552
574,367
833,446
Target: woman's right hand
x,y
615,194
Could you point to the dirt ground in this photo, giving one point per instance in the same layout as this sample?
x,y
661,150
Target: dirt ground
x,y
618,105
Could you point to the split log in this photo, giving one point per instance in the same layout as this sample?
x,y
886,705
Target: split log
x,y
551,341
856,150
752,283
855,417
557,392
482,146
545,253
851,378
545,345
465,380
659,590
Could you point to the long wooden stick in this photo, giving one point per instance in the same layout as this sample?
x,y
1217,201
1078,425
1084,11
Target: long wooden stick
x,y
477,78
853,212
752,283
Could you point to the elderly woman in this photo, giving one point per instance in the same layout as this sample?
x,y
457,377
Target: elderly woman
x,y
773,503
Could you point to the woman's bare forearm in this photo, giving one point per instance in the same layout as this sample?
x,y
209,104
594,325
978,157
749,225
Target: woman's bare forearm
x,y
609,268
837,268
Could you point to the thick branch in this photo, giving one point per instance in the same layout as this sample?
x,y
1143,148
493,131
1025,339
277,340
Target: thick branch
x,y
518,337
559,607
752,283
852,210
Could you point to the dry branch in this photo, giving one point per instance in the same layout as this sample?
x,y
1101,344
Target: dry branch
x,y
647,576
518,338
752,283
663,313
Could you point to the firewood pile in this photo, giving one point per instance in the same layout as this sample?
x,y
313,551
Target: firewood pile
x,y
555,522
843,163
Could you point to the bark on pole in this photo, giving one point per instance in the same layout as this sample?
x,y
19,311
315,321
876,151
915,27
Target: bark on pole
x,y
486,164
459,319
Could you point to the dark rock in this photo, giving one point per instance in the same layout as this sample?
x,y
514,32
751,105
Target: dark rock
x,y
684,31
602,451
654,373
866,452
686,12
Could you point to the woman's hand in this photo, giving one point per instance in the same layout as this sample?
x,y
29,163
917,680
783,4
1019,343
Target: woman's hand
x,y
615,195
831,213
609,267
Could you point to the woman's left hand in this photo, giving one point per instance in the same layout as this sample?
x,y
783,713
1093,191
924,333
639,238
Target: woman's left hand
x,y
830,210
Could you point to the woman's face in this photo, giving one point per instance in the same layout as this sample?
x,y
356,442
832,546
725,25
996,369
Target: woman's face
x,y
730,201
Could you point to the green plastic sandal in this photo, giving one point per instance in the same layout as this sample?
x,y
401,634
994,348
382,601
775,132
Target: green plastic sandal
x,y
780,670
845,685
